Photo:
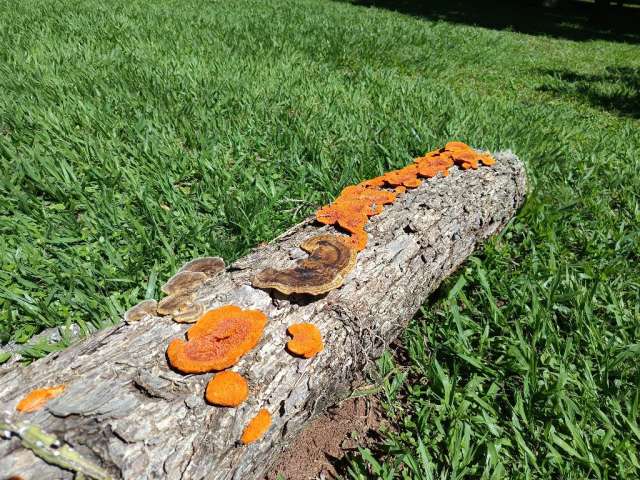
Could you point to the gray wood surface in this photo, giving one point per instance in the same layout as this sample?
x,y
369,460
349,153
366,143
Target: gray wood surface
x,y
127,412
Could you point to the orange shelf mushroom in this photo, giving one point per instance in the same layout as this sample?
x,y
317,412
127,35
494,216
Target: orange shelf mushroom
x,y
227,389
256,427
218,340
38,398
433,163
405,177
330,259
306,340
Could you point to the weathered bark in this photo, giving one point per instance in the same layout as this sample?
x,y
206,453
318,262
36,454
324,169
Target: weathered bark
x,y
126,411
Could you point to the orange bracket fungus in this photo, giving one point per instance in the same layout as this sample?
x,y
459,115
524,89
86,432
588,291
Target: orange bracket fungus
x,y
352,207
330,259
256,427
217,340
227,389
306,340
433,163
210,266
141,310
36,399
406,177
184,281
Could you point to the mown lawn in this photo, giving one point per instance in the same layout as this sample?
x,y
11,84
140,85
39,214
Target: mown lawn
x,y
135,135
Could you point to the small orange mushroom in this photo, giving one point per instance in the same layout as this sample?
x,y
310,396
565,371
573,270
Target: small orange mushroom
x,y
466,159
256,427
349,215
429,166
456,146
218,340
373,182
306,340
227,389
487,160
407,176
38,398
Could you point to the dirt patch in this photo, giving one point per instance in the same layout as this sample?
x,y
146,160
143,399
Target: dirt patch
x,y
318,451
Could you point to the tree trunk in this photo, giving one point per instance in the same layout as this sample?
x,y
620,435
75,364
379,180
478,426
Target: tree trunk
x,y
127,413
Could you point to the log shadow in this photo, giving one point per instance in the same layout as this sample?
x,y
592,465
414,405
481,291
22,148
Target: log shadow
x,y
568,19
616,91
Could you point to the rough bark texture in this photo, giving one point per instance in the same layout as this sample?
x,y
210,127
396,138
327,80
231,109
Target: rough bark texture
x,y
125,410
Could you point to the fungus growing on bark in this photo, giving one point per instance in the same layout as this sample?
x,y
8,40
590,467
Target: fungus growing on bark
x,y
38,398
188,312
487,160
456,146
184,281
373,182
176,303
407,177
348,215
256,427
306,340
466,157
368,196
227,389
330,259
141,310
210,266
217,340
431,164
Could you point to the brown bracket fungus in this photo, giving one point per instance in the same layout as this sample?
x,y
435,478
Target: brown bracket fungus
x,y
217,340
36,399
187,312
184,282
141,310
256,427
306,340
175,303
210,266
227,389
330,259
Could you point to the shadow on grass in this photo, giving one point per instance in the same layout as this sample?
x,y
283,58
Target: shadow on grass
x,y
617,90
573,20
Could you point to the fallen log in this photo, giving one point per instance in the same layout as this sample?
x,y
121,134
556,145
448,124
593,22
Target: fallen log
x,y
126,414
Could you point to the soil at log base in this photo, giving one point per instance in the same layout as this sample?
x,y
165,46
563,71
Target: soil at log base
x,y
319,450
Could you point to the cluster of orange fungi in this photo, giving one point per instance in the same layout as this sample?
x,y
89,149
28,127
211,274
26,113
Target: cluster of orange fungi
x,y
356,203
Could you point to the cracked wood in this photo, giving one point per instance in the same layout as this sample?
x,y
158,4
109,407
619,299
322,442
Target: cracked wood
x,y
125,410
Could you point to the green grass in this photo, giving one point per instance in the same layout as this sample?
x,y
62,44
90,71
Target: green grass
x,y
139,134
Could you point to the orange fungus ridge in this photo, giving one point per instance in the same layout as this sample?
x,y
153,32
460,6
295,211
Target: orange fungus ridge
x,y
351,210
36,399
256,427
